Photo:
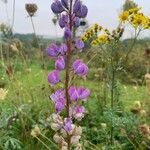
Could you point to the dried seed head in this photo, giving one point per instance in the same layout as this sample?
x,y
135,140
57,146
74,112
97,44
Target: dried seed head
x,y
31,9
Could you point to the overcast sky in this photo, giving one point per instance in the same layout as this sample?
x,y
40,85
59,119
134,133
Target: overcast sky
x,y
104,12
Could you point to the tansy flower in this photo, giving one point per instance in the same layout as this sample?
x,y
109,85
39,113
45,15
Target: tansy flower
x,y
138,20
124,16
3,93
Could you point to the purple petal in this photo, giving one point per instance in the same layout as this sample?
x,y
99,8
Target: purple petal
x,y
57,7
60,63
76,63
83,93
68,124
77,21
54,77
79,44
67,34
77,6
63,48
53,50
65,3
63,21
79,112
73,93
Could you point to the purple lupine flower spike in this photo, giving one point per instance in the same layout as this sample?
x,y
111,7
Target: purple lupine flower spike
x,y
54,77
79,112
65,3
63,21
79,44
67,34
68,124
63,48
57,7
83,93
53,50
60,63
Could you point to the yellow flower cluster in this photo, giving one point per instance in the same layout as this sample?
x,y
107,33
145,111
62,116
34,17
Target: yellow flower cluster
x,y
93,30
104,38
135,18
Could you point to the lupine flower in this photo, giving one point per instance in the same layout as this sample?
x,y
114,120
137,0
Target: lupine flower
x,y
77,21
59,100
68,124
53,50
79,44
76,63
63,21
80,68
73,93
67,34
77,6
63,48
57,7
79,112
59,105
83,93
60,63
83,11
54,77
65,3
57,138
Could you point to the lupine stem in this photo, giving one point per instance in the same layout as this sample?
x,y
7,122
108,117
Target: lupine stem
x,y
69,45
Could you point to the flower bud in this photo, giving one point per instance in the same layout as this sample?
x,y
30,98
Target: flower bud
x,y
68,124
57,138
63,48
75,140
63,21
65,3
67,34
55,126
79,112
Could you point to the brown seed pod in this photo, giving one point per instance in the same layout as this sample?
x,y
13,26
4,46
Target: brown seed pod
x,y
31,8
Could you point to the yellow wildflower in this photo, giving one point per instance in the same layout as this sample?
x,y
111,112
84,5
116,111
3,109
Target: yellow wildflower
x,y
124,16
103,38
138,20
134,10
3,93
